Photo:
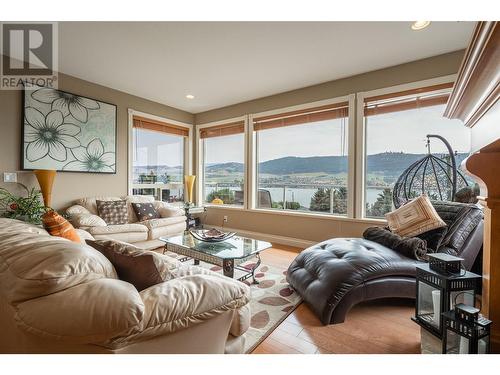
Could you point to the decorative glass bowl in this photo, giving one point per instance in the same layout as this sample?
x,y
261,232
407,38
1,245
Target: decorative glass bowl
x,y
211,235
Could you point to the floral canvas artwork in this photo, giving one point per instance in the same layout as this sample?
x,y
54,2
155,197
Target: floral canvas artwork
x,y
67,132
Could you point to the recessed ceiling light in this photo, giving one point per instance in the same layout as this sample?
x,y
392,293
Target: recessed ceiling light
x,y
189,96
419,25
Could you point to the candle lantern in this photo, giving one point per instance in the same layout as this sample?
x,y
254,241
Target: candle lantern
x,y
465,331
438,292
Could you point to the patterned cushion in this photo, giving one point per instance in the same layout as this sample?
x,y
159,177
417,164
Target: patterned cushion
x,y
145,211
416,217
58,226
113,212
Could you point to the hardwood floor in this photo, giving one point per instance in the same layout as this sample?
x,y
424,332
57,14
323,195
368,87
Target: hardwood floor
x,y
382,326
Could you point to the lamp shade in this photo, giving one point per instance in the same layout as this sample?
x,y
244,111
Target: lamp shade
x,y
189,184
46,181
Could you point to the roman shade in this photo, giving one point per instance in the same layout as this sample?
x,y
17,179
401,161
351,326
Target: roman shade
x,y
159,126
222,130
408,99
322,113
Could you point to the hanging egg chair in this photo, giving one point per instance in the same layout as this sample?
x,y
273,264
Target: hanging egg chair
x,y
438,177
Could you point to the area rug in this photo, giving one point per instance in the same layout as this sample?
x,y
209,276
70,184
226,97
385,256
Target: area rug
x,y
272,300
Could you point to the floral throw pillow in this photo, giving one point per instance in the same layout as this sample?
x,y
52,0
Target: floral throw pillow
x,y
145,211
113,212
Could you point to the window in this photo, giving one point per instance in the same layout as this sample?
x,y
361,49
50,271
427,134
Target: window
x,y
223,163
396,126
302,160
158,159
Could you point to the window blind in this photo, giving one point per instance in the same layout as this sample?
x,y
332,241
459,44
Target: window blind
x,y
222,130
408,99
159,126
327,112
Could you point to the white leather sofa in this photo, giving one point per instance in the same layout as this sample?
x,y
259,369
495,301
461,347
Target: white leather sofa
x,y
144,234
57,296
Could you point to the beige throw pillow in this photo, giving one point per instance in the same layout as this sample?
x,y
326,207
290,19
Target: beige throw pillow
x,y
416,217
88,220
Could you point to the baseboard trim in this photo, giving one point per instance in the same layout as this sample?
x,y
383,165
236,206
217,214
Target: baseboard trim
x,y
289,241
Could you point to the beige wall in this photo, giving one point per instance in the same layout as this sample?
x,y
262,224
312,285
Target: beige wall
x,y
68,186
432,67
317,229
311,228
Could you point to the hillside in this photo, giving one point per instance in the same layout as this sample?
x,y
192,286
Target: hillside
x,y
387,163
231,167
395,163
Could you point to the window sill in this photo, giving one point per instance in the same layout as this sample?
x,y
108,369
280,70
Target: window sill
x,y
224,206
301,214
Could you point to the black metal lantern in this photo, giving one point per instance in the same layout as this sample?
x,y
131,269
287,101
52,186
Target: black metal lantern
x,y
465,331
439,292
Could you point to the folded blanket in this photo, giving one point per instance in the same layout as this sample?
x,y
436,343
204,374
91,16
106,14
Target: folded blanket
x,y
411,247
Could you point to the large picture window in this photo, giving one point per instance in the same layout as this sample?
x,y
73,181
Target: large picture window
x,y
302,162
396,126
223,164
158,159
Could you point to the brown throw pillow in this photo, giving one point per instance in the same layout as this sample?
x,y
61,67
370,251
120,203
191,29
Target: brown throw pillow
x,y
145,211
113,212
138,267
58,226
416,217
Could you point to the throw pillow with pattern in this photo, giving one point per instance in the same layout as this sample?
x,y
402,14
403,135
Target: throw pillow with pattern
x,y
145,211
415,217
113,212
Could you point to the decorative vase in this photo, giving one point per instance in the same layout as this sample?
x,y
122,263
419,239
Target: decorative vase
x,y
189,184
46,181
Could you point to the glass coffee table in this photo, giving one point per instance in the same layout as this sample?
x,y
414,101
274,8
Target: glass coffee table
x,y
228,254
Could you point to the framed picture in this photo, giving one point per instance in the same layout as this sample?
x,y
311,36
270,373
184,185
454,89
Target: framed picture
x,y
67,132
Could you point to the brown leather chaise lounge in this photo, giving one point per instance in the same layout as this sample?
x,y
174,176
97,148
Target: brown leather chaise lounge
x,y
339,273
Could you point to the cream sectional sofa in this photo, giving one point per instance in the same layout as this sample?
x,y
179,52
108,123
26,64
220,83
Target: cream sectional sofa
x,y
145,234
57,296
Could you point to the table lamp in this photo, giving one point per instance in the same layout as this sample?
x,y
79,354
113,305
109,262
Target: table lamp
x,y
189,184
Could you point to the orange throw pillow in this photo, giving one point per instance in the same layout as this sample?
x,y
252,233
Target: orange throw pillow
x,y
58,226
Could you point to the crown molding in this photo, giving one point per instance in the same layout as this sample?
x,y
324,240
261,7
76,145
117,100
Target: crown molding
x,y
477,87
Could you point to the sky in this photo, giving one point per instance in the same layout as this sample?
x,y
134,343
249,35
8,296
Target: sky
x,y
230,148
406,131
400,131
153,148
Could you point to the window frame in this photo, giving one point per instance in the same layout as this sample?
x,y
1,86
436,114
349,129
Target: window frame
x,y
351,149
361,138
188,144
200,162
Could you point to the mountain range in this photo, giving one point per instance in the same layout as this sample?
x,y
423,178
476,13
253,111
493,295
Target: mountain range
x,y
387,163
384,162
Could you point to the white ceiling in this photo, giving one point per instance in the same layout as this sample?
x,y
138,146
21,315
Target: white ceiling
x,y
227,63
